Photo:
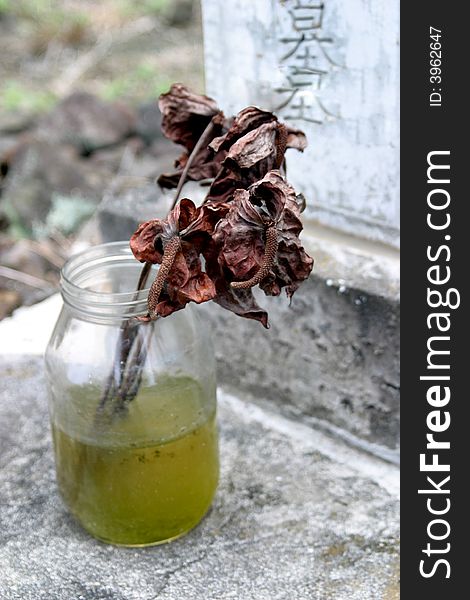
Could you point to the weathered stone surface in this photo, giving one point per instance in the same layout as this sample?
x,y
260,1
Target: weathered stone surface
x,y
148,123
332,355
12,122
29,329
7,143
127,205
87,122
179,13
332,69
296,516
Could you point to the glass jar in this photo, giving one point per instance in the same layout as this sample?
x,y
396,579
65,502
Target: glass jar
x,y
132,405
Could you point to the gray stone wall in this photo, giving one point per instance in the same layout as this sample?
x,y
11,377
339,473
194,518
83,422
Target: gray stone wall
x,y
331,356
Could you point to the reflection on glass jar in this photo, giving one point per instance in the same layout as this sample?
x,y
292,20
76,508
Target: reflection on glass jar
x,y
132,405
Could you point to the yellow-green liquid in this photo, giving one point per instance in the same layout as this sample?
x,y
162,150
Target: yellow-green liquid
x,y
147,476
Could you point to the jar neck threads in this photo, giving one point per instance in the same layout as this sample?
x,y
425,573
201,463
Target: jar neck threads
x,y
100,283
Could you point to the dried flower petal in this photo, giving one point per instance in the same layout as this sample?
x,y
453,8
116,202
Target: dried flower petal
x,y
241,302
255,144
184,280
241,235
143,241
253,147
247,120
270,252
185,283
296,139
185,115
184,118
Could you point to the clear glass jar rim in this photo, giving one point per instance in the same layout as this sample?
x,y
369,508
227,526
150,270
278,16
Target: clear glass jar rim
x,y
98,258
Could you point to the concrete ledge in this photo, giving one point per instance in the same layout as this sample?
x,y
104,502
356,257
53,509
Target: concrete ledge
x,y
332,355
297,515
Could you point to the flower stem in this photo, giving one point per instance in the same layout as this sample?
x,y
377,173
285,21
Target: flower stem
x,y
205,135
116,387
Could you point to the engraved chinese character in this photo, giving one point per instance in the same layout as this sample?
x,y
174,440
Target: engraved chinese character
x,y
308,40
305,63
307,15
305,106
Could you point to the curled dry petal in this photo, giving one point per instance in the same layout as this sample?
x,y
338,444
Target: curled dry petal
x,y
242,237
147,241
143,241
247,120
270,252
296,139
185,283
239,301
242,303
185,116
254,145
183,280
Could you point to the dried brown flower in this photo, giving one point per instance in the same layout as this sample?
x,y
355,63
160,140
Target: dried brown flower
x,y
176,243
259,238
254,144
247,229
185,116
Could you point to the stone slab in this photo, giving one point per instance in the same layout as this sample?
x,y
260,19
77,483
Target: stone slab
x,y
330,68
297,515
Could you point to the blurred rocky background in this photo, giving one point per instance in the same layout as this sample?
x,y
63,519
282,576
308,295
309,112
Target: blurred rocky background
x,y
79,123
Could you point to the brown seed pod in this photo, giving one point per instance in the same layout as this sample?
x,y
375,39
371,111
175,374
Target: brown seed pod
x,y
171,249
268,261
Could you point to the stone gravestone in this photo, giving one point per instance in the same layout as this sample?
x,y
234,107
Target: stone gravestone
x,y
332,69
